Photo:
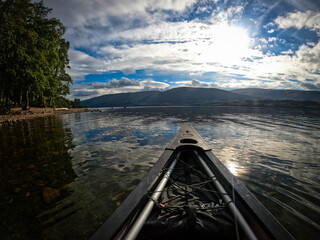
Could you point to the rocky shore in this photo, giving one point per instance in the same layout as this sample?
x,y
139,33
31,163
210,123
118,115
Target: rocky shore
x,y
17,114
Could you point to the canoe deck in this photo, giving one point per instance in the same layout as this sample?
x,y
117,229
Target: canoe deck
x,y
189,207
199,199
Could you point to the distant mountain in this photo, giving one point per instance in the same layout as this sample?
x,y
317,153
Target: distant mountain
x,y
121,99
186,96
271,94
197,96
183,96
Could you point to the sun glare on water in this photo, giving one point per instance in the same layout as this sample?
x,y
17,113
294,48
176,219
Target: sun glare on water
x,y
234,168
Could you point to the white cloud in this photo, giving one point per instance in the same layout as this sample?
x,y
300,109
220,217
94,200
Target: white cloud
x,y
309,57
231,15
164,32
311,44
150,84
263,40
304,64
196,83
179,46
177,5
123,35
82,64
75,13
267,70
196,74
272,39
300,20
287,52
94,89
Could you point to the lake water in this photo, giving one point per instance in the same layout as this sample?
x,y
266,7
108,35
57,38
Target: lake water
x,y
90,162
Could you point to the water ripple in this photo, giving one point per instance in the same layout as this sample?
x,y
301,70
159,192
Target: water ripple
x,y
95,160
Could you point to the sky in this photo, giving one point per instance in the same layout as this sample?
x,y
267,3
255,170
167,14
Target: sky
x,y
139,45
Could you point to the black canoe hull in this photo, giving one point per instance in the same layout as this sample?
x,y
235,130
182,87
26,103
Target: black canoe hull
x,y
262,222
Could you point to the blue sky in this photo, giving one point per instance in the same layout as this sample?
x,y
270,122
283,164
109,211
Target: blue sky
x,y
136,45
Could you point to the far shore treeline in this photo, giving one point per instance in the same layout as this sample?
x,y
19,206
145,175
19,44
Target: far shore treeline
x,y
33,57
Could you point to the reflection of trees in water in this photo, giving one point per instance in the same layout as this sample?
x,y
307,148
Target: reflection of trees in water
x,y
35,170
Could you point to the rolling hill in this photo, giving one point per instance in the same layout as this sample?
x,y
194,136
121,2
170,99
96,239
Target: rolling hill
x,y
183,96
187,96
272,94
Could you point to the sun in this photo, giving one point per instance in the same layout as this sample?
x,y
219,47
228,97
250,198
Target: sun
x,y
227,45
231,41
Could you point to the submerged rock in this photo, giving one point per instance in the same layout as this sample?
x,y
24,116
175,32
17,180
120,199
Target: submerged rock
x,y
118,196
50,195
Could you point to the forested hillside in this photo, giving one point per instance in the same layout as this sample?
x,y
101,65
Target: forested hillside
x,y
277,94
183,96
186,96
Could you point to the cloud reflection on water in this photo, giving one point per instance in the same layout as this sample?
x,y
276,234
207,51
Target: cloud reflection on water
x,y
275,152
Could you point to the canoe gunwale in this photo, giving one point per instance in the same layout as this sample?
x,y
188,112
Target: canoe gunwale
x,y
265,225
110,228
252,208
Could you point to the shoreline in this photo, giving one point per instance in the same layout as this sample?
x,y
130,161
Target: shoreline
x,y
17,114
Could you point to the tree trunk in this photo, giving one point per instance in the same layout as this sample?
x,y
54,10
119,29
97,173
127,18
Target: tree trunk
x,y
20,100
27,100
1,99
44,102
51,102
27,103
7,101
1,96
2,106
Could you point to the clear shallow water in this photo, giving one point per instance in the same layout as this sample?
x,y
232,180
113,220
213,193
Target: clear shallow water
x,y
95,160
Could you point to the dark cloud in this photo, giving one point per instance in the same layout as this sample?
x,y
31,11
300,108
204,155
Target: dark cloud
x,y
123,82
114,83
129,70
197,83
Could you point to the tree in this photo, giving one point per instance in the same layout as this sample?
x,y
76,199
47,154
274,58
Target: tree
x,y
33,55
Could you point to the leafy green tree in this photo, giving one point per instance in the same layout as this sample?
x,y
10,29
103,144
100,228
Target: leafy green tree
x,y
33,55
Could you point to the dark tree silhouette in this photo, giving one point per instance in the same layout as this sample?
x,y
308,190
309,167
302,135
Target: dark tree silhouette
x,y
33,55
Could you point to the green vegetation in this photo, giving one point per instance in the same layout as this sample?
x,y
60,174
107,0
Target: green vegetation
x,y
63,102
33,56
